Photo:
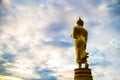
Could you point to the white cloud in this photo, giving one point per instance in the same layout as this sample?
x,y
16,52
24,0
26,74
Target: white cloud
x,y
2,77
26,32
6,1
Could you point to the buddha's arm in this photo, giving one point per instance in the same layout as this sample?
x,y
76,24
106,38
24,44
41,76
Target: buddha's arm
x,y
73,34
86,36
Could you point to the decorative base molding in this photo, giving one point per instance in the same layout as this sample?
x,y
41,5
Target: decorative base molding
x,y
82,74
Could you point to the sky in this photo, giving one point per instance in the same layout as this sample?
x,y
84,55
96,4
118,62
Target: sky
x,y
35,42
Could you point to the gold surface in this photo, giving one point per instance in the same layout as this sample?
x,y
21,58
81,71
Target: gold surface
x,y
80,35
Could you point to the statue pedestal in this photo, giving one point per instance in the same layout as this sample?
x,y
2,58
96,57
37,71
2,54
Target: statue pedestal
x,y
82,74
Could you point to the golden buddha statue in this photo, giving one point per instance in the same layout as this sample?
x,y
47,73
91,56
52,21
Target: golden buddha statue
x,y
80,35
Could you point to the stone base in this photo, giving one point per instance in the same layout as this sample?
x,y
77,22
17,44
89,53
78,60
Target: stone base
x,y
82,74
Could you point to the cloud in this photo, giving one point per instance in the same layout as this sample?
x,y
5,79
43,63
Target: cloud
x,y
6,2
35,41
46,74
2,77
